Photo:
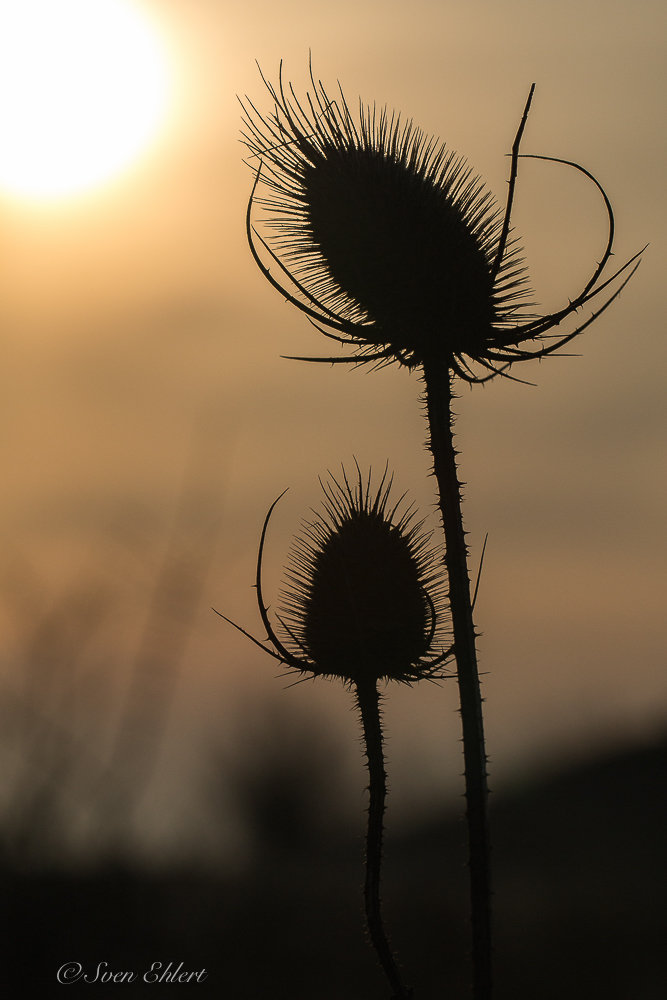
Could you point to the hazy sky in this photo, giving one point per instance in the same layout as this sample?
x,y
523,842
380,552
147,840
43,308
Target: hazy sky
x,y
141,352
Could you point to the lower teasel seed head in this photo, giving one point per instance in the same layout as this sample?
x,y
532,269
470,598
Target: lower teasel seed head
x,y
364,600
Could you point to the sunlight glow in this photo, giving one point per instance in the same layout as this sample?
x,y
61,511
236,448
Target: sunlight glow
x,y
84,89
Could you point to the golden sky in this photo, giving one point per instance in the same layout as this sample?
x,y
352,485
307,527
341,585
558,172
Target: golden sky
x,y
141,375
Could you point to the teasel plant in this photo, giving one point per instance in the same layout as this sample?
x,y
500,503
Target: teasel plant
x,y
393,249
363,603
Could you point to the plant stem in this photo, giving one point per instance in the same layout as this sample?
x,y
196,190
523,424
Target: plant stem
x,y
368,699
438,380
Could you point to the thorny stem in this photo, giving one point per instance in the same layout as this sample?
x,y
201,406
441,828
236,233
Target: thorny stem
x,y
437,378
368,699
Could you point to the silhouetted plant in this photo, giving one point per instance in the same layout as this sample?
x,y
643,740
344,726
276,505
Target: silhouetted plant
x,y
390,245
363,603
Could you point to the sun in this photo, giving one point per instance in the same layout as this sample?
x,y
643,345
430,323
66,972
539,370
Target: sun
x,y
85,87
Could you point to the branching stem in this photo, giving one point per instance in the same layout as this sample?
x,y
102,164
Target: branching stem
x,y
438,380
368,699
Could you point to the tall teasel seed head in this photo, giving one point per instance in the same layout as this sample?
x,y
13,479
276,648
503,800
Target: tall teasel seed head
x,y
364,599
390,242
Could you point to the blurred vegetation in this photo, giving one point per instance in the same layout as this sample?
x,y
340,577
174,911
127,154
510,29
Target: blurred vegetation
x,y
579,860
580,887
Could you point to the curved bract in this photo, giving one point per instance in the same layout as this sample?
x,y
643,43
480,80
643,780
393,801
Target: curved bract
x,y
388,243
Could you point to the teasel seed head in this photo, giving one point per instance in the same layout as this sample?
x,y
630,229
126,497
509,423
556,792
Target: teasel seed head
x,y
389,243
363,599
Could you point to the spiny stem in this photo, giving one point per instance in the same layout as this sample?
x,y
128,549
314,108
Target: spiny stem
x,y
437,377
368,699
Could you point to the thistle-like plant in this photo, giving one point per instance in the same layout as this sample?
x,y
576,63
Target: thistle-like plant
x,y
389,245
388,239
363,603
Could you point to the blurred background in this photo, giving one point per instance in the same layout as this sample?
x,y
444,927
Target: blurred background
x,y
148,422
